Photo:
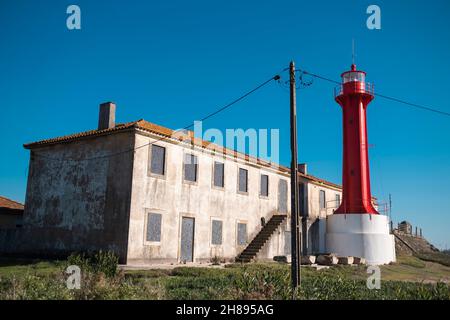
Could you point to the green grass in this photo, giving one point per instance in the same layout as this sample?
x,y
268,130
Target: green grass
x,y
23,267
409,278
410,268
411,261
439,257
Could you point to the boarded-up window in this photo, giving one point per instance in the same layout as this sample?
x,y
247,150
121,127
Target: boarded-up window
x,y
338,200
187,239
158,159
287,242
243,180
242,234
190,167
282,196
218,174
216,232
322,201
154,227
264,185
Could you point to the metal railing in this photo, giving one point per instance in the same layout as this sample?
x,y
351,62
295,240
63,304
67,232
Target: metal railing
x,y
357,86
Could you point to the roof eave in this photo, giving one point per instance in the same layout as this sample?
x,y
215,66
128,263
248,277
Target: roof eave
x,y
141,124
90,135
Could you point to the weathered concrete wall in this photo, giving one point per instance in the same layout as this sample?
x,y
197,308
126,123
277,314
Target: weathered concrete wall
x,y
73,204
8,221
174,199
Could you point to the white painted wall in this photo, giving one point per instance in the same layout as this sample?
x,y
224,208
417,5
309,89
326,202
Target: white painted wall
x,y
314,204
361,235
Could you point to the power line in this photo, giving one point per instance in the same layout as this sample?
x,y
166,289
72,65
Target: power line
x,y
418,106
275,78
319,77
221,109
413,105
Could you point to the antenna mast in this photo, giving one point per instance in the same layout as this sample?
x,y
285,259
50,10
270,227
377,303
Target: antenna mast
x,y
353,51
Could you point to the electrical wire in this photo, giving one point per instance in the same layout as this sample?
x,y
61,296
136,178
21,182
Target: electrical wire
x,y
221,109
415,105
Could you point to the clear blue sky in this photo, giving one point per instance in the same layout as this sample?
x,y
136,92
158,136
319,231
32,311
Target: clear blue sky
x,y
171,62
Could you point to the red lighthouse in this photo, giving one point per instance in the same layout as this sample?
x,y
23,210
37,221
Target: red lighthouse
x,y
354,95
357,229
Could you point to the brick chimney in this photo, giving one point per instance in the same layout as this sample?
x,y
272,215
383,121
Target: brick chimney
x,y
107,116
302,167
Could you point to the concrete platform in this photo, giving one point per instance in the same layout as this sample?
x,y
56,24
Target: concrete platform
x,y
165,266
361,235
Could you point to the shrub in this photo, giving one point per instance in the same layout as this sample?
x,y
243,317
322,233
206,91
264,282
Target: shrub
x,y
102,261
32,287
106,262
263,284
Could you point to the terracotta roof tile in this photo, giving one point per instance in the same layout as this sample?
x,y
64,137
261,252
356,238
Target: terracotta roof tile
x,y
10,204
78,136
187,136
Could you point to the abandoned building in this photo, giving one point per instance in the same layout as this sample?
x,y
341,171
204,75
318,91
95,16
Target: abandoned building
x,y
155,197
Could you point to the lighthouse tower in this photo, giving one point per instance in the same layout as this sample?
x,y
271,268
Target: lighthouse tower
x,y
356,228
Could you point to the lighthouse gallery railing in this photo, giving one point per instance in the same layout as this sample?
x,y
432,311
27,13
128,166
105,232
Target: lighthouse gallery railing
x,y
354,86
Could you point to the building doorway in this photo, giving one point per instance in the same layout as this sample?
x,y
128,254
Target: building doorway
x,y
187,239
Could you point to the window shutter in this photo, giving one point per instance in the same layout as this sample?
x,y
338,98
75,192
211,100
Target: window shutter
x,y
218,174
154,227
216,232
243,180
158,158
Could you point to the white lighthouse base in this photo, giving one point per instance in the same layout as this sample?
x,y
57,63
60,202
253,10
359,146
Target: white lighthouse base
x,y
361,235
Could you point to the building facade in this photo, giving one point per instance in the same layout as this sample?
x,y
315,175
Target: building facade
x,y
153,195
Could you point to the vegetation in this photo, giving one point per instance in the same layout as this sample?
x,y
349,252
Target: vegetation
x,y
102,280
95,262
439,257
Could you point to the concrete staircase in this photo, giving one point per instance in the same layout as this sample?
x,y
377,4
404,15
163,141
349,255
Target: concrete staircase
x,y
261,238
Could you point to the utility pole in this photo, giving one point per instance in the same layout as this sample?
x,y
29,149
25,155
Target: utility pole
x,y
295,247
